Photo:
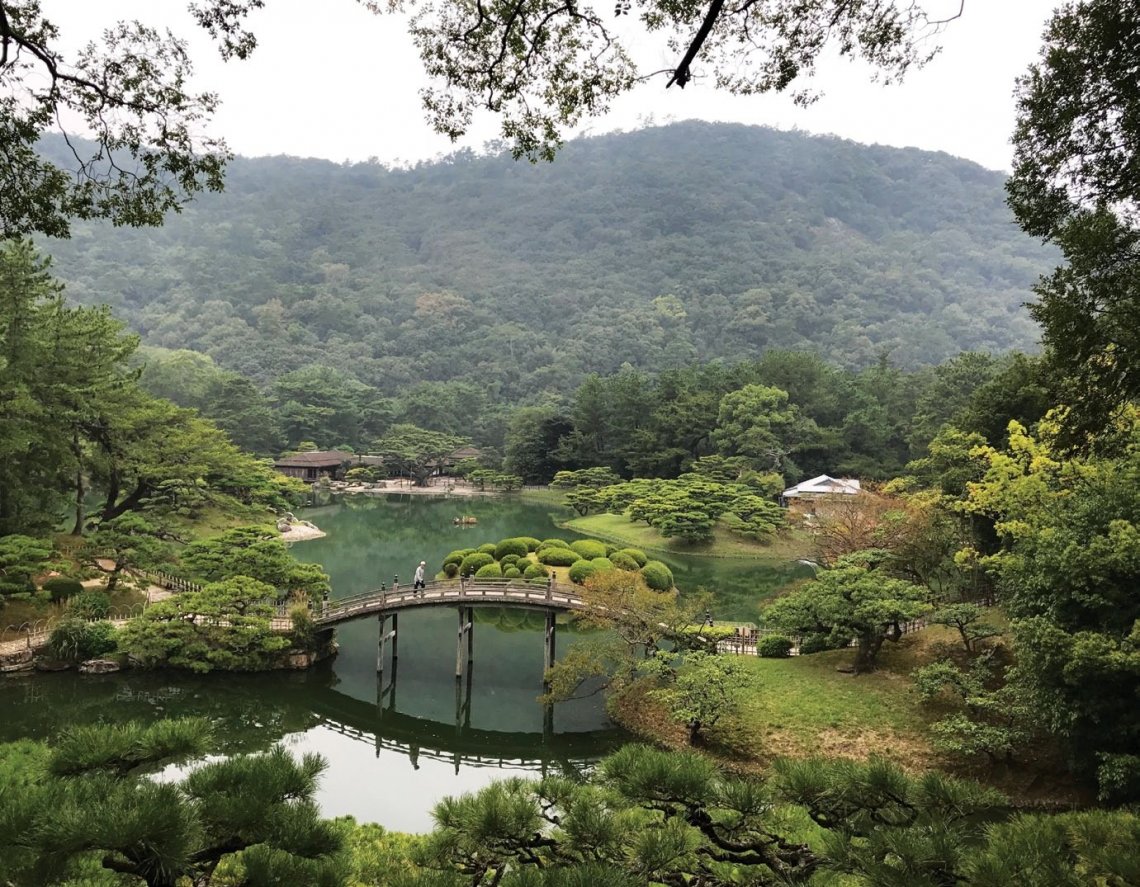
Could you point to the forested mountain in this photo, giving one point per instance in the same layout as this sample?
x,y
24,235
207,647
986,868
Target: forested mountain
x,y
654,247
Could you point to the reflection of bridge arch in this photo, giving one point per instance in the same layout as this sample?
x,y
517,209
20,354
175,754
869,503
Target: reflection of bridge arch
x,y
461,743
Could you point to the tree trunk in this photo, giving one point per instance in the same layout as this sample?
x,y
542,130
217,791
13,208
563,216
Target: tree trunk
x,y
112,493
866,653
80,514
113,510
113,579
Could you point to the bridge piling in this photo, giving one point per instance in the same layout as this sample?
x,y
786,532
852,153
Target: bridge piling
x,y
548,657
466,622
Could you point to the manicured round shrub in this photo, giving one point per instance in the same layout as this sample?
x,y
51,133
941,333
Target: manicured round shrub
x,y
512,573
623,561
473,562
508,560
62,587
552,543
657,576
610,549
487,548
451,570
531,543
582,570
589,548
774,646
90,605
637,555
536,571
489,571
517,547
558,557
602,564
456,557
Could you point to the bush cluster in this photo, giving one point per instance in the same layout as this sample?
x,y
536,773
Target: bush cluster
x,y
512,573
62,587
657,576
589,548
90,605
623,561
581,570
516,547
456,557
558,557
536,571
488,548
774,646
474,562
552,543
451,570
637,555
489,571
74,640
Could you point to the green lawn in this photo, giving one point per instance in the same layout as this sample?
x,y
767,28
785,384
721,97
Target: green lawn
x,y
804,706
619,529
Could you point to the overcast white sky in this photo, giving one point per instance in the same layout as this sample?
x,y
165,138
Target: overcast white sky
x,y
342,83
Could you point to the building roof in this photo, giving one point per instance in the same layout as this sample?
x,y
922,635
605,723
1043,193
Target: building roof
x,y
314,459
823,486
466,453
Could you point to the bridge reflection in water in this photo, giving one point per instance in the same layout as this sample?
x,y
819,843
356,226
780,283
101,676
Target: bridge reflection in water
x,y
386,728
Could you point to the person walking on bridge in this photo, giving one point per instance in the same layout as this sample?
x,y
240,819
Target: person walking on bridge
x,y
419,583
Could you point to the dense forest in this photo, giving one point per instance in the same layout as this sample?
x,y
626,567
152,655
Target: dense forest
x,y
654,248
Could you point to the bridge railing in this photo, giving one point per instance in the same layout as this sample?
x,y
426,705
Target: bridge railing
x,y
528,590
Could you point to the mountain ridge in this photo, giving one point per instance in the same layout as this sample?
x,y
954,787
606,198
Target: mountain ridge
x,y
654,247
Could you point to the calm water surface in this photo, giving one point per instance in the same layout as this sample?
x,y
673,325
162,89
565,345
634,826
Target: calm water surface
x,y
393,750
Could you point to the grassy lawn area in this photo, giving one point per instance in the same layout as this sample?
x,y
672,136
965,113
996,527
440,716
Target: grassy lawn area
x,y
616,528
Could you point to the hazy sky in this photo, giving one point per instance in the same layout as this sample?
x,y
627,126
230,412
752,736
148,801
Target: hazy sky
x,y
343,83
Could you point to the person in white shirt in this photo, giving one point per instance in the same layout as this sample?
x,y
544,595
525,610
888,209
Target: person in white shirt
x,y
419,578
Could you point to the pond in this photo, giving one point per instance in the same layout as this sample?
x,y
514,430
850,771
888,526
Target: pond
x,y
393,750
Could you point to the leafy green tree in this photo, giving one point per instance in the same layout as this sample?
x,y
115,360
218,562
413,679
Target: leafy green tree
x,y
414,452
1074,184
969,621
87,806
130,542
990,717
758,423
21,558
595,478
701,690
250,551
226,626
1069,532
854,600
533,435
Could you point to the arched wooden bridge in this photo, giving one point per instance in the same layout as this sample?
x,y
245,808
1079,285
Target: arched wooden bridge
x,y
464,594
540,594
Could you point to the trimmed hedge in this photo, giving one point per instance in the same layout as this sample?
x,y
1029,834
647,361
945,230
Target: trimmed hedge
x,y
589,548
657,576
512,573
552,543
602,564
62,587
509,560
536,571
489,571
451,570
637,555
774,646
457,556
474,562
487,548
531,543
558,557
610,549
90,605
582,570
517,547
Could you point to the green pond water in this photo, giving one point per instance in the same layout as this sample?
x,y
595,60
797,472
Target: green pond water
x,y
393,750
